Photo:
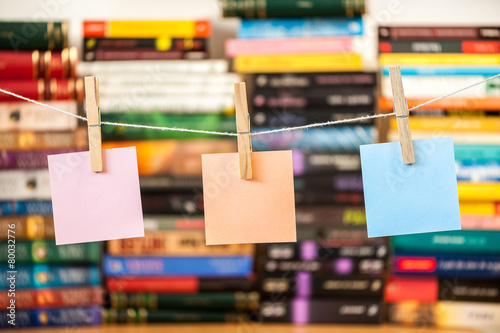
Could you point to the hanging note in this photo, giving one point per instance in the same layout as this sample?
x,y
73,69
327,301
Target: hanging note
x,y
259,210
405,199
91,206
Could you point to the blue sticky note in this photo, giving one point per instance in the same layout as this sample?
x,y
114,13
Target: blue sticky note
x,y
406,199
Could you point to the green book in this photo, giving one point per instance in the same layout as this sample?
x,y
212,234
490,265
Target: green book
x,y
203,301
141,315
291,8
29,35
459,241
46,251
207,122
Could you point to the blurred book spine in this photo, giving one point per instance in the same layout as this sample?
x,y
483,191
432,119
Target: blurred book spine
x,y
175,243
29,226
261,9
49,276
33,35
231,266
208,301
313,311
297,63
142,315
179,285
46,251
64,317
445,314
146,29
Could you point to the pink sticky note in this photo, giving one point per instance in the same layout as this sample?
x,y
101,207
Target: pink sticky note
x,y
90,206
260,210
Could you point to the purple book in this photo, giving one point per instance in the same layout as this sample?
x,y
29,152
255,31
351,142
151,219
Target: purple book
x,y
28,159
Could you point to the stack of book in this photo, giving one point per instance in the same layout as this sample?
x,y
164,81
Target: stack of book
x,y
436,61
145,40
272,34
170,274
439,60
47,285
305,71
36,62
448,279
190,94
321,281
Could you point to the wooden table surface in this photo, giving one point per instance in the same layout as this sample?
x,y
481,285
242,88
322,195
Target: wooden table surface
x,y
247,328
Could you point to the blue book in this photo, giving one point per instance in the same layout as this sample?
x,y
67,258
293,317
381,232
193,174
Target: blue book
x,y
33,207
478,171
446,265
321,139
435,70
47,276
230,266
71,317
300,27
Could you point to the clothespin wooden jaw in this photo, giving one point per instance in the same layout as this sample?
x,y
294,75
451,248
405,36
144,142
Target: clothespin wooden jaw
x,y
243,129
94,122
402,114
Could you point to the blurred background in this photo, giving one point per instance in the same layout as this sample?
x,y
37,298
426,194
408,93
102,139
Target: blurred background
x,y
174,63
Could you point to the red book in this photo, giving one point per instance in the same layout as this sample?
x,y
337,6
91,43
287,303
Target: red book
x,y
59,64
480,46
55,89
34,89
19,65
419,289
56,297
179,285
182,285
32,65
65,89
416,264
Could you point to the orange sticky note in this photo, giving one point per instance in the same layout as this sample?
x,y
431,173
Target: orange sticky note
x,y
260,210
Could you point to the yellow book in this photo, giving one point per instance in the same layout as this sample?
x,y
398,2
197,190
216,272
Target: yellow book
x,y
439,59
472,124
298,63
478,138
479,191
147,29
477,208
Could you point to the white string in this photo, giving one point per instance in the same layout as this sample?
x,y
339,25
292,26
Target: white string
x,y
327,123
36,102
285,129
169,128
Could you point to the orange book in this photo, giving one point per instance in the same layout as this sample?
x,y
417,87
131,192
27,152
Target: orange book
x,y
489,103
175,243
173,157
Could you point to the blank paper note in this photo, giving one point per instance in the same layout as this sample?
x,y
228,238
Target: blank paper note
x,y
90,206
406,199
259,210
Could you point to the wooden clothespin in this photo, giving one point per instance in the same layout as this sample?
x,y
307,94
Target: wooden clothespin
x,y
243,129
94,122
402,113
